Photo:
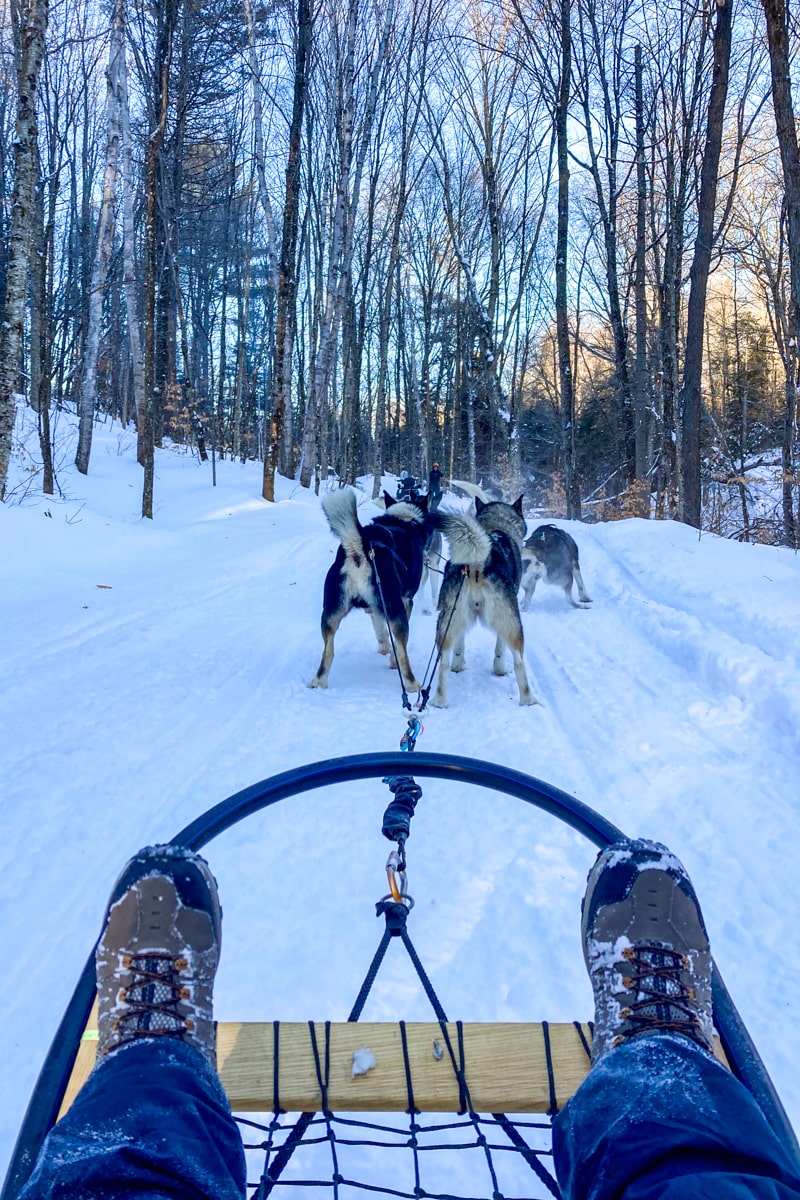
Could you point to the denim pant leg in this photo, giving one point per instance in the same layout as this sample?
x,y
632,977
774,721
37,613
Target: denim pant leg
x,y
151,1121
659,1119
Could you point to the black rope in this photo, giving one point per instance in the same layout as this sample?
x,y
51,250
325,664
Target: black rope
x,y
584,1042
373,559
412,1111
528,1153
369,978
427,683
323,1080
551,1081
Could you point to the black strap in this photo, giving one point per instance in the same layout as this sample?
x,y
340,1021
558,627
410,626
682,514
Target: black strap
x,y
551,1079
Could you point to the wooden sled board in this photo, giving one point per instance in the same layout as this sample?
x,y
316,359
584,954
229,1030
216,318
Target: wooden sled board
x,y
505,1065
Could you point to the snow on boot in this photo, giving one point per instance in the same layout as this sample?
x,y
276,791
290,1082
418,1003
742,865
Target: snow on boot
x,y
646,947
158,953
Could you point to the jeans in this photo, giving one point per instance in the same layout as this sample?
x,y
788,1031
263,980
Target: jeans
x,y
151,1123
656,1119
659,1119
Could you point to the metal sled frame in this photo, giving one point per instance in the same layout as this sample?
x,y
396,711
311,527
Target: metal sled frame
x,y
51,1086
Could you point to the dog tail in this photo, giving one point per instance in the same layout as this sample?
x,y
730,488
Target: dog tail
x,y
471,489
470,544
340,509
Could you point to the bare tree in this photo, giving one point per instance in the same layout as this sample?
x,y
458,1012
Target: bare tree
x,y
105,242
285,318
691,401
30,27
777,19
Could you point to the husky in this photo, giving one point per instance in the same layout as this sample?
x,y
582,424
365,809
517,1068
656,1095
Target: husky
x,y
433,563
378,567
481,582
551,554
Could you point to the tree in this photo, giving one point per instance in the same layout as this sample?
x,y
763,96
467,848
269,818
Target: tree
x,y
286,317
777,20
30,27
691,400
105,241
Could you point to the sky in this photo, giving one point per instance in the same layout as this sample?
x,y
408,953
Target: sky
x,y
152,668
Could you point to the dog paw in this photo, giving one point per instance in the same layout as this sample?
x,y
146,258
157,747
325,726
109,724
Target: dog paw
x,y
435,702
317,683
529,700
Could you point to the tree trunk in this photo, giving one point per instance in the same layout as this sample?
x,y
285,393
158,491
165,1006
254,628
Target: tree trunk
x,y
105,243
778,39
701,263
129,243
155,143
29,49
571,483
641,390
286,316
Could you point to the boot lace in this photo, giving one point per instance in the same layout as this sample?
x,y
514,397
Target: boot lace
x,y
664,1001
153,998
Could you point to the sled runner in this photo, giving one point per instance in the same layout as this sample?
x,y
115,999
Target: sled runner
x,y
503,1081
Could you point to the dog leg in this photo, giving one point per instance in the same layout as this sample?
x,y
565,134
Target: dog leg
x,y
329,628
459,660
526,696
439,698
499,664
399,626
434,581
584,598
516,643
530,577
423,585
379,625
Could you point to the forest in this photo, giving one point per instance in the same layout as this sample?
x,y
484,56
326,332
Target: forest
x,y
552,245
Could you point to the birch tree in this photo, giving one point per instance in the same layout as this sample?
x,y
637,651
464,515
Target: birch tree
x,y
29,27
105,241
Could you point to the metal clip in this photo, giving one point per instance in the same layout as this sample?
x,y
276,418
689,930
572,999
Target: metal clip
x,y
398,885
409,739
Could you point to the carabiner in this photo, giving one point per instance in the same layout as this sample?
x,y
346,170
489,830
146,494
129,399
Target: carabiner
x,y
409,739
395,873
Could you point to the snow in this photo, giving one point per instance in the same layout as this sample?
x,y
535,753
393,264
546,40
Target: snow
x,y
152,668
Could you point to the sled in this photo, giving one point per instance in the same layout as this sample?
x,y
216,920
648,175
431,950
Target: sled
x,y
504,1082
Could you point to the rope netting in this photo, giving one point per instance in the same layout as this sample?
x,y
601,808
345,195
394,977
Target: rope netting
x,y
476,1157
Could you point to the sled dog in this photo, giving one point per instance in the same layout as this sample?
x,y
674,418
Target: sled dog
x,y
378,567
552,555
481,582
433,565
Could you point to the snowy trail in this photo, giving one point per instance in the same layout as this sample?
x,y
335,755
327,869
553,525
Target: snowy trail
x,y
672,706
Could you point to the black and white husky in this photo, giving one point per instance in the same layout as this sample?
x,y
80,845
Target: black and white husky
x,y
481,582
551,554
378,567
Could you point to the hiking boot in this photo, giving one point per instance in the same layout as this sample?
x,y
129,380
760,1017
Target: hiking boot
x,y
646,948
158,952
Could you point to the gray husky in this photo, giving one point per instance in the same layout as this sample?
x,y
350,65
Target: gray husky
x,y
378,567
481,582
551,554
